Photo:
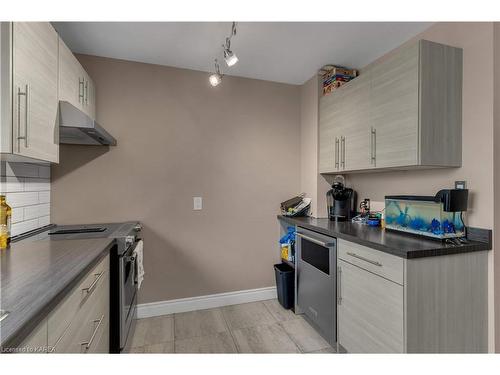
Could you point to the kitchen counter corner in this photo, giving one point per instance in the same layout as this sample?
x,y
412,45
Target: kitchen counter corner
x,y
37,275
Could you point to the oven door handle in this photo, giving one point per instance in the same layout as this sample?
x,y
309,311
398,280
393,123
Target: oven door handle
x,y
314,240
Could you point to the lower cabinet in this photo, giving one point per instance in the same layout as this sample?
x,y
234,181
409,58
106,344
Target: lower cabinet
x,y
80,323
370,312
389,304
36,342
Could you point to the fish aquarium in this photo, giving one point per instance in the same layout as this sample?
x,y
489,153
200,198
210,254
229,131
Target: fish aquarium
x,y
437,216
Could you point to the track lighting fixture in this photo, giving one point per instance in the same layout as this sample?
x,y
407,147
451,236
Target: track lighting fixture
x,y
215,78
229,55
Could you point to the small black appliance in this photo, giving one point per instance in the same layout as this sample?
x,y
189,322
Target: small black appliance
x,y
341,201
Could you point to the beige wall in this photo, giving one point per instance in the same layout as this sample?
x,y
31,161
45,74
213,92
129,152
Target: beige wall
x,y
311,183
235,145
496,174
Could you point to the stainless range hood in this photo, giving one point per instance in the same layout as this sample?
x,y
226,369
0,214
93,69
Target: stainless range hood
x,y
76,128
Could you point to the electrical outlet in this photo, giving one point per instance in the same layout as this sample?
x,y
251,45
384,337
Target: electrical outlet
x,y
460,185
197,203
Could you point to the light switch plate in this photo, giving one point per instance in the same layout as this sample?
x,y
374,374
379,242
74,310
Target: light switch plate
x,y
197,203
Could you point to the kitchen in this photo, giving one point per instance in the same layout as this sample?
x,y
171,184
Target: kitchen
x,y
177,178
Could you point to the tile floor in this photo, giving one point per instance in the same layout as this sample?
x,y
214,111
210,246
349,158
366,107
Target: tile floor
x,y
257,327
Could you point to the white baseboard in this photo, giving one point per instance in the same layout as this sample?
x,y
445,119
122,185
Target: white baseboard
x,y
147,310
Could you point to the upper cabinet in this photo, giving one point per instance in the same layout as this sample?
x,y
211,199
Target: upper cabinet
x,y
403,112
75,85
395,107
29,91
37,70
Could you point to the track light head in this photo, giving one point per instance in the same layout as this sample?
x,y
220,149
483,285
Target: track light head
x,y
230,58
229,55
215,78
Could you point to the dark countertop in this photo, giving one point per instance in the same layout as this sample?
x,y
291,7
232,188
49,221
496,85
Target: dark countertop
x,y
36,275
399,244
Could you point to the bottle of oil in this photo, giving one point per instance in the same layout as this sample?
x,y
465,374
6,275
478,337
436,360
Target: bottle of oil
x,y
5,219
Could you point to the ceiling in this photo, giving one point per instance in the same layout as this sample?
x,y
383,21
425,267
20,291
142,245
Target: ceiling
x,y
289,52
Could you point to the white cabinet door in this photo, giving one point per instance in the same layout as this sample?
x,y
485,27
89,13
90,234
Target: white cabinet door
x,y
35,74
71,77
370,311
330,132
344,137
89,97
75,85
356,147
395,108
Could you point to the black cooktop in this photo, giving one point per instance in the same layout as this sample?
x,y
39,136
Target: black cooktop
x,y
78,230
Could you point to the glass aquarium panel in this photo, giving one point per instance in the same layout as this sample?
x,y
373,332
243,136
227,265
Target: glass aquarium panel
x,y
422,217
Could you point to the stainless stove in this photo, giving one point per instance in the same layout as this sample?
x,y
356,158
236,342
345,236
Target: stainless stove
x,y
123,293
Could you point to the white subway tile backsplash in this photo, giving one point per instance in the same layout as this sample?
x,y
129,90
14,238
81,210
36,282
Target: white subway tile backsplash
x,y
30,212
36,184
17,215
44,210
22,169
44,197
27,189
33,212
22,199
43,221
44,171
11,184
24,226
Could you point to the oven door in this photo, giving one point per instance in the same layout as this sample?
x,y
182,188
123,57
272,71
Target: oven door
x,y
316,281
128,292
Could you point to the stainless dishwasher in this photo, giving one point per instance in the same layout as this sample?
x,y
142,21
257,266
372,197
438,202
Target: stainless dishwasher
x,y
315,281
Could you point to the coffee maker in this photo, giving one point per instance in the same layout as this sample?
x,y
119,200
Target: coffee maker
x,y
341,201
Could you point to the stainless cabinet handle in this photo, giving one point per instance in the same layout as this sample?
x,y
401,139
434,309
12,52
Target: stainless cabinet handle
x,y
81,90
339,285
314,240
342,140
365,259
336,153
92,286
86,92
96,328
26,113
373,145
27,126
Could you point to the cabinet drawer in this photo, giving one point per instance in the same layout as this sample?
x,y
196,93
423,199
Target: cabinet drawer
x,y
89,325
378,262
101,343
370,312
93,284
36,342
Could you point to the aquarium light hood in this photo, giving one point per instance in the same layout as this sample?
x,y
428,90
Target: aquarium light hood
x,y
454,200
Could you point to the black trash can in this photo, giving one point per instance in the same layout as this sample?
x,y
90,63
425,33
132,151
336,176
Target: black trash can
x,y
285,284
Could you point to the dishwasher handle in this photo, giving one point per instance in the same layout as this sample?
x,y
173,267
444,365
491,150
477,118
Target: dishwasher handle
x,y
314,240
